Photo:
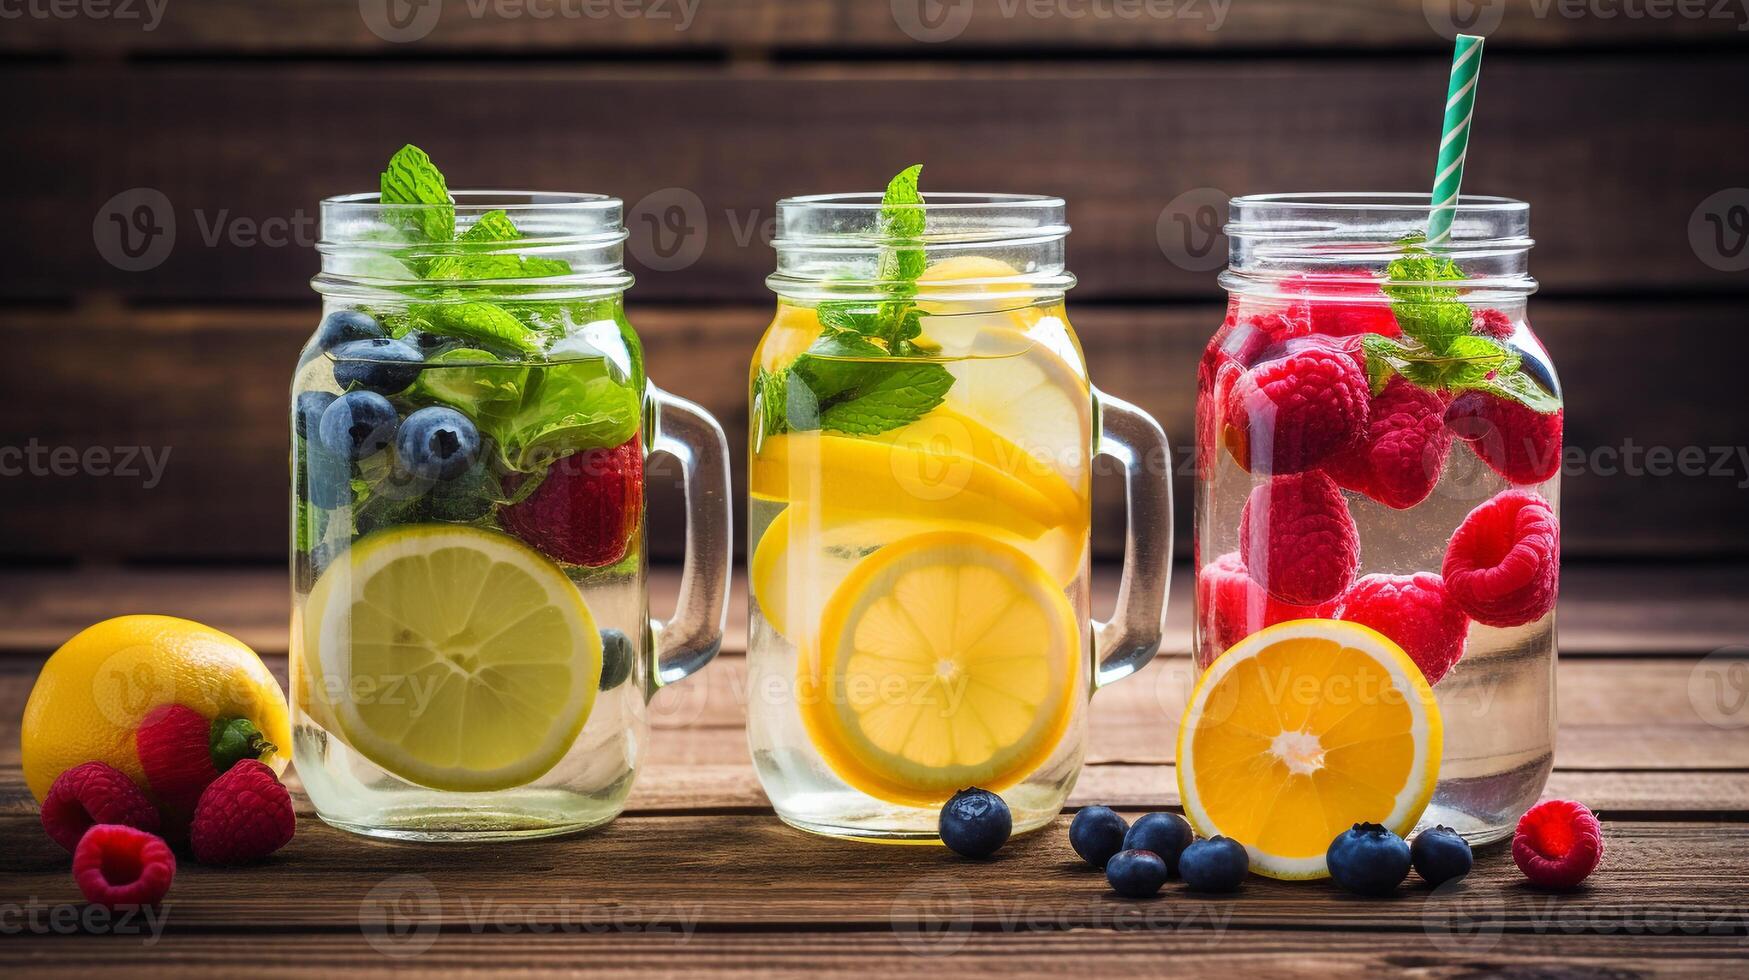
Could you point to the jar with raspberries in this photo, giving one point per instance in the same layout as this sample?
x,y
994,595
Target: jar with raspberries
x,y
471,649
1379,442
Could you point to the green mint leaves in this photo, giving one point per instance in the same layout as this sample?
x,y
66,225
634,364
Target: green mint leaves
x,y
1439,349
863,375
411,178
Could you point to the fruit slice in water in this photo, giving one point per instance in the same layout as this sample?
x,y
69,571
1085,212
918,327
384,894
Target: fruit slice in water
x,y
469,661
1302,730
1034,398
946,660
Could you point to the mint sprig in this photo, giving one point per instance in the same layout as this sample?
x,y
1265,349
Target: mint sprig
x,y
411,178
862,375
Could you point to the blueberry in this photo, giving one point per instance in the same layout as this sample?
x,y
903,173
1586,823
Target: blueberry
x,y
1096,834
343,326
1440,854
1136,873
1218,864
616,659
358,424
1368,860
380,365
327,480
975,822
307,410
437,443
1166,834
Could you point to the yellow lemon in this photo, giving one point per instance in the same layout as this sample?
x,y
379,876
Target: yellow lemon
x,y
93,692
793,330
454,657
946,660
949,430
1302,730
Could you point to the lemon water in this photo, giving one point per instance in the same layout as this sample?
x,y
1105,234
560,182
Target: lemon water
x,y
919,593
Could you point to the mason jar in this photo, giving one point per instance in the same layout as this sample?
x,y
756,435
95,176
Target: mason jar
x,y
471,646
919,473
1379,441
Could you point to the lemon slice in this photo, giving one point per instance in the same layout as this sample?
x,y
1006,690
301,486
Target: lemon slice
x,y
469,661
1035,399
1302,730
948,659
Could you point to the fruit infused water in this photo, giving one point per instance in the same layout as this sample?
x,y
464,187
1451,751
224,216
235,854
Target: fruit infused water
x,y
918,526
1379,442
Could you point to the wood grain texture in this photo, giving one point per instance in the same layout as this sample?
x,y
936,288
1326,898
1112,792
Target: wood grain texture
x,y
233,142
208,387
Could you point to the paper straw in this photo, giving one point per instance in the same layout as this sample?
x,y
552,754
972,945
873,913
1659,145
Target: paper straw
x,y
1454,141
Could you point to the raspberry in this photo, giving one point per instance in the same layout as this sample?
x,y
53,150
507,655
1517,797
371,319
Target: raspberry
x,y
1503,564
1492,324
1558,843
243,816
1416,613
1288,414
174,745
94,793
1231,607
1298,540
586,508
1516,441
117,865
1342,303
1402,453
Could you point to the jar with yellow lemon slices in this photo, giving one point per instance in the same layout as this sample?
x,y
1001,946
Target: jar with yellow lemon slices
x,y
920,452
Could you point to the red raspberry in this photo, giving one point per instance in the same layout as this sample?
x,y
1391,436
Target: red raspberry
x,y
1289,414
116,865
1492,324
1231,607
1503,564
243,816
586,508
1342,303
1401,455
1416,613
1516,441
1298,540
174,743
1558,843
94,793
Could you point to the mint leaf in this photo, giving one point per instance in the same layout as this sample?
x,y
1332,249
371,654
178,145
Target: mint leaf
x,y
1521,388
567,406
901,225
477,321
411,178
473,261
1466,361
890,396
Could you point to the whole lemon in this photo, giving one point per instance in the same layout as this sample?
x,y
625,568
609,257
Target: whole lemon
x,y
92,693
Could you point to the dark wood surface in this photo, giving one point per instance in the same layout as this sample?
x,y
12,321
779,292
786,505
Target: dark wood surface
x,y
699,877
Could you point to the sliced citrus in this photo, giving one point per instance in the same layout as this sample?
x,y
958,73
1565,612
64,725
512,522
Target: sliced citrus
x,y
793,330
1302,730
948,659
1036,399
468,661
948,430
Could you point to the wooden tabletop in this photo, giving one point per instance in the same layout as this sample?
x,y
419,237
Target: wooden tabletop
x,y
699,877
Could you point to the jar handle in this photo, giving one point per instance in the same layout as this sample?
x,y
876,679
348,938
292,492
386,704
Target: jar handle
x,y
1125,643
693,636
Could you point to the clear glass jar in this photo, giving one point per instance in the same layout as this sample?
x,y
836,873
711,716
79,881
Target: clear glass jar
x,y
471,645
919,520
1379,440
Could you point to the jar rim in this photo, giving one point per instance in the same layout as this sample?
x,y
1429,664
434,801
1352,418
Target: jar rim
x,y
484,200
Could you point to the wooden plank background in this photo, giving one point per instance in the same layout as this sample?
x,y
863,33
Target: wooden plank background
x,y
245,115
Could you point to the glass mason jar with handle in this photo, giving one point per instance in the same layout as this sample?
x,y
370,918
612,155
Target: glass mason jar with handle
x,y
1379,442
472,650
922,433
